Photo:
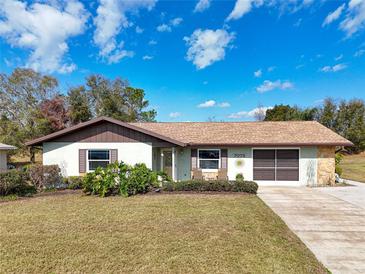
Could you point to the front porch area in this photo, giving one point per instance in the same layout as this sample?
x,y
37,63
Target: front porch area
x,y
186,164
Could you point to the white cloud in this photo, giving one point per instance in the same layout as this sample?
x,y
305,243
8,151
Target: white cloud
x,y
152,42
44,29
334,68
224,105
333,16
207,46
271,69
213,103
174,115
355,17
202,5
258,73
110,20
339,57
242,7
147,57
168,27
164,28
139,30
207,104
176,21
278,84
249,114
359,53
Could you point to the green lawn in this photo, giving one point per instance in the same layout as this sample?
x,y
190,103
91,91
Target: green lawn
x,y
354,167
171,233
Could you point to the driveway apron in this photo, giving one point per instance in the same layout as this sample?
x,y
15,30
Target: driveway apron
x,y
330,221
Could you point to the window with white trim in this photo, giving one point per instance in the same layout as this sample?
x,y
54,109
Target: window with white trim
x,y
98,158
209,158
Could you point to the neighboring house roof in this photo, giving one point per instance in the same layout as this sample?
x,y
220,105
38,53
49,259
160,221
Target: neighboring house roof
x,y
224,133
248,133
6,147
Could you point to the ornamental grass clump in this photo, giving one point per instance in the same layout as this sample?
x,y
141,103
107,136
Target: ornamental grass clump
x,y
120,179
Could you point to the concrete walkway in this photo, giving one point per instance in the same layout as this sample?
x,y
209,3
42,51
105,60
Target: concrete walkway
x,y
330,221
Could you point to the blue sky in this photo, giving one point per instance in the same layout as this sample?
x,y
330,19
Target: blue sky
x,y
195,59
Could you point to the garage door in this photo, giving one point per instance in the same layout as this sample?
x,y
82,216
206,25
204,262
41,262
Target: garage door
x,y
276,164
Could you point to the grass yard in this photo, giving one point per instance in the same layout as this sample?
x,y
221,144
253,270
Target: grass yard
x,y
168,233
354,167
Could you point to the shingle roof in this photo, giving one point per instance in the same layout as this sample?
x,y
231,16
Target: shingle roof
x,y
293,133
6,147
248,133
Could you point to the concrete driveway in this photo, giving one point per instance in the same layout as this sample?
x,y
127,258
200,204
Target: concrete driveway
x,y
330,221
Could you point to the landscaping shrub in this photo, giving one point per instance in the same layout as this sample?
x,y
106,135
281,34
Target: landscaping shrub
x,y
44,177
120,178
214,185
74,182
138,180
239,177
15,182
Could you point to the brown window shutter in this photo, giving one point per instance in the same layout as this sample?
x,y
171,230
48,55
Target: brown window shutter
x,y
113,155
224,158
194,160
82,160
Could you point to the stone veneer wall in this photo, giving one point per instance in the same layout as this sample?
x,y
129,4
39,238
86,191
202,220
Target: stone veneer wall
x,y
326,165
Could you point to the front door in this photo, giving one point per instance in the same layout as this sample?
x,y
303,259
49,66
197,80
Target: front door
x,y
167,162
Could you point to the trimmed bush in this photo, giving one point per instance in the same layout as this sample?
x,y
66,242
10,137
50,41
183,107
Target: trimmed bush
x,y
45,177
120,178
239,177
15,182
214,185
74,182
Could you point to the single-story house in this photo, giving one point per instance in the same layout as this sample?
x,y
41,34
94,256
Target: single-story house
x,y
4,149
270,153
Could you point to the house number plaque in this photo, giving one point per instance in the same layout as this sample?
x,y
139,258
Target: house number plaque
x,y
239,155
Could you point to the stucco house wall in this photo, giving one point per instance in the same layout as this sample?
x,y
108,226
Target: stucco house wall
x,y
240,160
66,154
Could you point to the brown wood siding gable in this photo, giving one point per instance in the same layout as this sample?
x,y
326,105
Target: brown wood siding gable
x,y
82,160
107,132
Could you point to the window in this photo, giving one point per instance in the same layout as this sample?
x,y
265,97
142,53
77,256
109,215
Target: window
x,y
98,158
209,158
276,164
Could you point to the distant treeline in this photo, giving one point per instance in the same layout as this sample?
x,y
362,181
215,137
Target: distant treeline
x,y
31,104
347,118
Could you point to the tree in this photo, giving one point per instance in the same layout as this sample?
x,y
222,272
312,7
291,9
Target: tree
x,y
54,110
136,105
327,113
288,113
78,105
260,113
115,98
20,95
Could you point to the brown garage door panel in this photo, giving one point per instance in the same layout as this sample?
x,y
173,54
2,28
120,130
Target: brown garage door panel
x,y
283,174
264,158
264,174
287,158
